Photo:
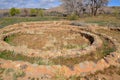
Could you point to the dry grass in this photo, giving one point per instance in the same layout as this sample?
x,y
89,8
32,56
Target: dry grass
x,y
102,20
112,33
49,40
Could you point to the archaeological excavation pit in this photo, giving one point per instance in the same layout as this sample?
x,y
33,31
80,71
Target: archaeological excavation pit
x,y
52,46
49,40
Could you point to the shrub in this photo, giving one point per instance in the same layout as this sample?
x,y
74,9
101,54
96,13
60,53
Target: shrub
x,y
14,11
41,12
33,12
17,11
73,17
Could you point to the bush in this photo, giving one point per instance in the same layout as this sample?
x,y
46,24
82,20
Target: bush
x,y
14,11
73,17
33,12
41,12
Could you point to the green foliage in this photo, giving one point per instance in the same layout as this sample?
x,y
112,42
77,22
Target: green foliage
x,y
37,12
17,11
107,49
13,73
11,20
33,12
9,38
8,55
73,17
20,73
40,13
14,11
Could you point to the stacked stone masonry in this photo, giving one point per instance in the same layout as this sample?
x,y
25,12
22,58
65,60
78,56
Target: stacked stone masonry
x,y
78,69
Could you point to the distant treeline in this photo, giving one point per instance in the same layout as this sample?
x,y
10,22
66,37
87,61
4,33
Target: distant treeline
x,y
33,12
36,12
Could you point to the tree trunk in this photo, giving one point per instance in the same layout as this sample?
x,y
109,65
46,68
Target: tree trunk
x,y
95,12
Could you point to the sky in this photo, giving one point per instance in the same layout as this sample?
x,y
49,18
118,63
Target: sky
x,y
6,4
114,3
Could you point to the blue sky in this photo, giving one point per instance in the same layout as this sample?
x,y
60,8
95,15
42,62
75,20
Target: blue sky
x,y
114,3
5,4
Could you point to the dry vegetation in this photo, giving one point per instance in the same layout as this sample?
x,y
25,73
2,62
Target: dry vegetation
x,y
48,40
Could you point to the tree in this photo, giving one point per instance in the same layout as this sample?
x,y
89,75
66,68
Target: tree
x,y
95,5
80,6
26,12
73,6
14,11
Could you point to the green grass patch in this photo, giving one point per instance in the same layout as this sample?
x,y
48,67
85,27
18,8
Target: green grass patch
x,y
8,55
107,48
12,20
100,23
8,39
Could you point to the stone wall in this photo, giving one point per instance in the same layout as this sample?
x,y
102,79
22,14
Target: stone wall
x,y
52,70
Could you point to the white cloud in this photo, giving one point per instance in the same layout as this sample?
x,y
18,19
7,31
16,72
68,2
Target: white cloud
x,y
28,3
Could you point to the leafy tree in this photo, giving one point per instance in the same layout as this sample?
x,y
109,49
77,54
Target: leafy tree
x,y
14,11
